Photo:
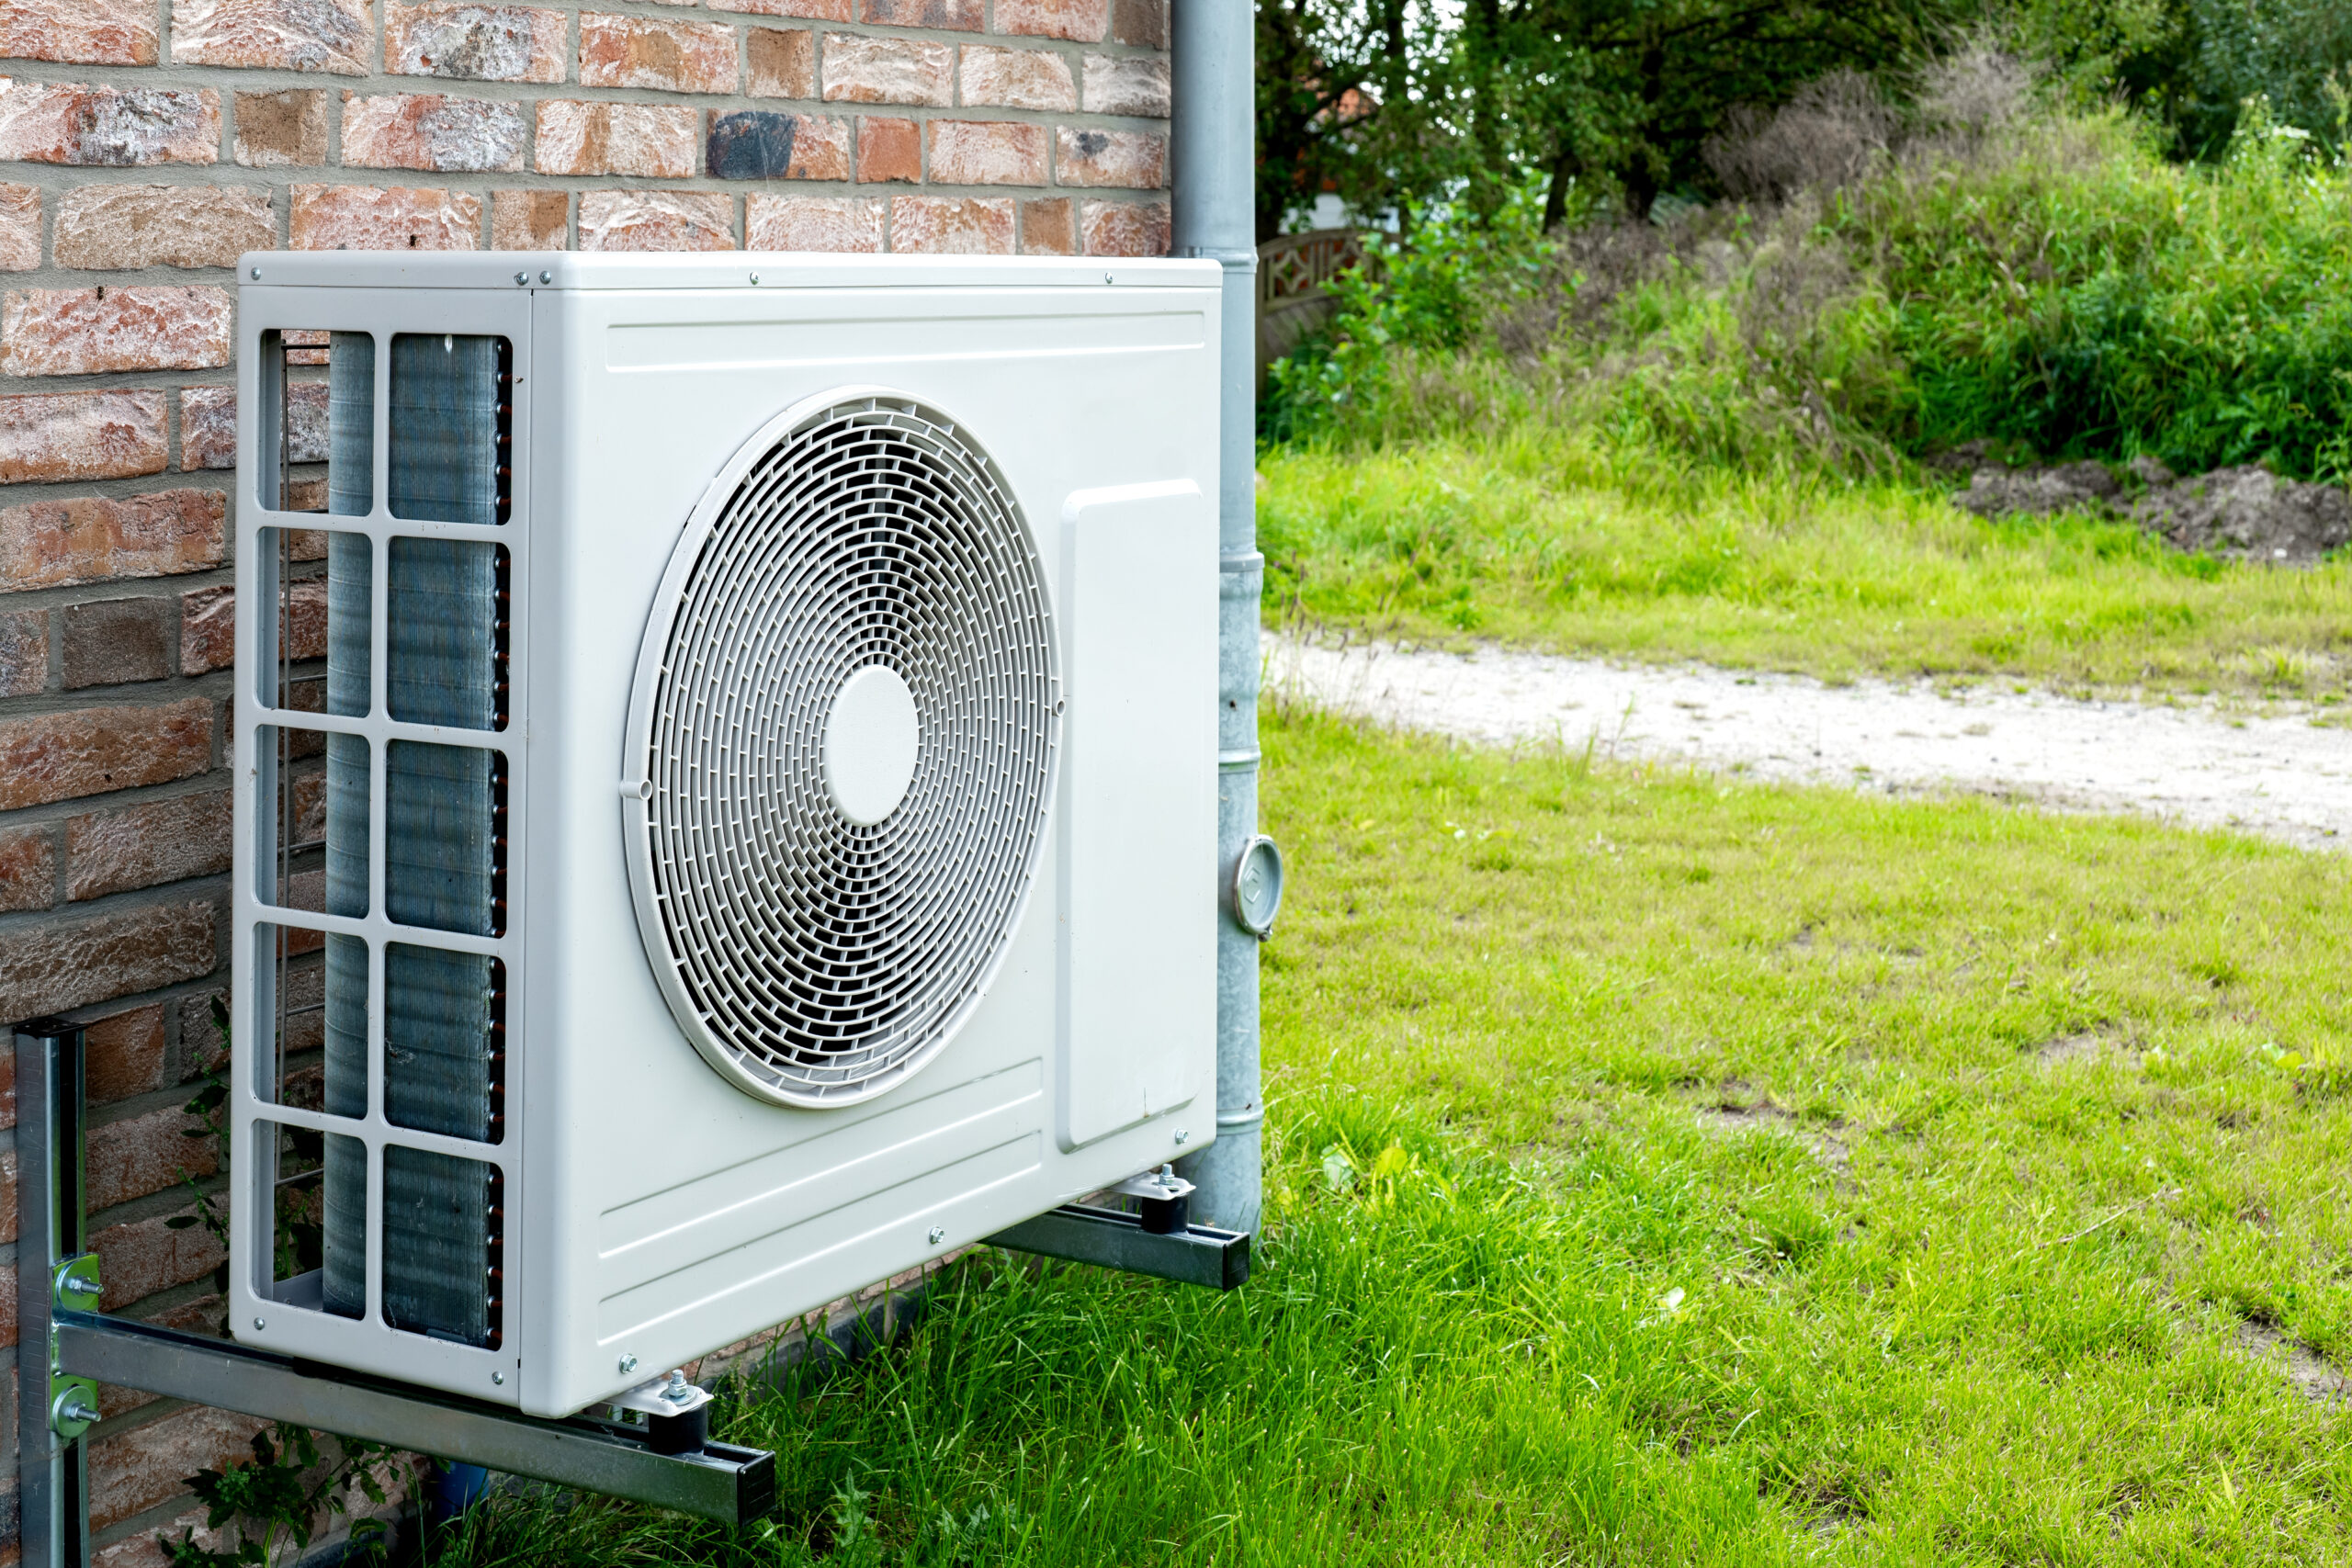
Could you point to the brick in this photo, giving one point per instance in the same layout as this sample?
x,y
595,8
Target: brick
x,y
43,123
1080,21
1143,22
987,152
888,150
147,845
780,63
23,653
203,1047
47,437
57,544
952,225
208,427
140,1155
118,228
79,32
813,223
280,130
812,10
1016,79
1124,228
889,71
19,228
1135,159
656,220
670,56
207,629
947,16
58,756
145,1466
28,868
432,131
392,217
530,220
1050,227
1126,83
333,36
476,43
51,967
8,1314
123,1055
759,144
81,332
644,140
112,642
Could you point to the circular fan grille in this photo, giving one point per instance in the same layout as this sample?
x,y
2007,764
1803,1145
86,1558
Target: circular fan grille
x,y
815,960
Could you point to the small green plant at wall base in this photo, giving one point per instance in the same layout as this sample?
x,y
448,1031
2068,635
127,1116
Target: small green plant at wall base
x,y
277,1500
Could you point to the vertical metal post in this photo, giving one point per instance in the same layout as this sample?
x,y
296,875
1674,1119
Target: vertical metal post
x,y
1215,217
52,1469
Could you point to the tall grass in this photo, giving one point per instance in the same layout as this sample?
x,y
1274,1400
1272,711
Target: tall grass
x,y
1980,269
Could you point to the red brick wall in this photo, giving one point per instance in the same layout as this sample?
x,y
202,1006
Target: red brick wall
x,y
144,143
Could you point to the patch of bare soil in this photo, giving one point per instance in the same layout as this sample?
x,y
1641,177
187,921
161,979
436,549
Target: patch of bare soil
x,y
1828,1144
2245,513
2303,1367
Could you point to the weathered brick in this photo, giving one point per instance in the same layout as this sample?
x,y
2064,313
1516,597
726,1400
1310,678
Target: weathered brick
x,y
1016,78
987,152
208,427
476,43
670,56
146,1466
28,868
58,756
1143,22
19,228
119,227
645,141
952,225
203,1048
392,218
656,220
47,437
888,150
1126,83
530,220
44,123
759,144
814,10
123,1055
813,223
1049,226
56,544
1124,228
207,629
23,653
139,1155
432,131
780,63
889,71
948,15
1135,159
81,332
51,967
333,36
278,131
1080,21
113,642
79,32
8,1304
147,845
7,1101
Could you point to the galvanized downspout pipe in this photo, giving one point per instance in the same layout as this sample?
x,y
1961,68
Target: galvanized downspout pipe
x,y
1214,155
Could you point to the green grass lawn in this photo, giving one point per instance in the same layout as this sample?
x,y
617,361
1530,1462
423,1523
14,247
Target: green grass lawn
x,y
1540,541
1668,1172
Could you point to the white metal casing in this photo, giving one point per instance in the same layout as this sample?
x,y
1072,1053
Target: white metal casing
x,y
655,1211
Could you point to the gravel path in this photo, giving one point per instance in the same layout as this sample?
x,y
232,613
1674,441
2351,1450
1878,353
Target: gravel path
x,y
2281,777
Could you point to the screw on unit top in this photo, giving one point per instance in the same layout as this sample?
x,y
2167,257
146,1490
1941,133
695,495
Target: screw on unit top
x,y
546,276
521,279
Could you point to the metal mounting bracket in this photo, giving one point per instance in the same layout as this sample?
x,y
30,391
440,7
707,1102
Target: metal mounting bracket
x,y
1196,1255
58,1295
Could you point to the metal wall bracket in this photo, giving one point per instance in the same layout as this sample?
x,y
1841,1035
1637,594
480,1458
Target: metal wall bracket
x,y
58,1295
1197,1255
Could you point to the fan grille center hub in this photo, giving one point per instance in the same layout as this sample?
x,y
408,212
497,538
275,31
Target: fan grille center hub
x,y
872,737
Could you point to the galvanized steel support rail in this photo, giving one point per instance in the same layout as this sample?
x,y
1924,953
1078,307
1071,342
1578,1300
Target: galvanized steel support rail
x,y
65,1347
1080,1232
1214,218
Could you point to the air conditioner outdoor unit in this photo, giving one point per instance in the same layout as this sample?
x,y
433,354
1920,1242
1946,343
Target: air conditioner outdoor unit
x,y
726,785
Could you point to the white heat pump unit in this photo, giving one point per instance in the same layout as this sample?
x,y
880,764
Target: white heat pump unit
x,y
726,786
